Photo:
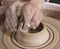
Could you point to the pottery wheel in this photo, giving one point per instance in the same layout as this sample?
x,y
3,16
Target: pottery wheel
x,y
8,40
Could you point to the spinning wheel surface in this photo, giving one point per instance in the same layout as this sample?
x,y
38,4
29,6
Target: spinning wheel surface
x,y
8,40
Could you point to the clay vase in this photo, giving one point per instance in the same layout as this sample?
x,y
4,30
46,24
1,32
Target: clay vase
x,y
33,38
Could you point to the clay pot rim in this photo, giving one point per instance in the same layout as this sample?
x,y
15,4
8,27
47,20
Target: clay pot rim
x,y
33,33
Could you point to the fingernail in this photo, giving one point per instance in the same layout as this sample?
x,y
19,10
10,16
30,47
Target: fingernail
x,y
28,25
34,27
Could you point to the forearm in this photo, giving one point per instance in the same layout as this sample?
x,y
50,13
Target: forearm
x,y
38,3
10,2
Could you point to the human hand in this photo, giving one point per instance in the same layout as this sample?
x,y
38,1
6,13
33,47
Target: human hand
x,y
33,16
12,14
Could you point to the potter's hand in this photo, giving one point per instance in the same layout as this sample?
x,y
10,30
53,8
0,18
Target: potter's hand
x,y
12,14
4,4
33,16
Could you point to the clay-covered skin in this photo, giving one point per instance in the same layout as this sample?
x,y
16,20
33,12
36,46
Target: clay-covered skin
x,y
32,15
38,3
4,4
12,13
8,2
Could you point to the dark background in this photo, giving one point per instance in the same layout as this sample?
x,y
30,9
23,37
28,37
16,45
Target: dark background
x,y
55,1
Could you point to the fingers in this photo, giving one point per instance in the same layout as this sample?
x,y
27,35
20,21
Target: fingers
x,y
11,21
26,28
33,17
7,2
28,13
37,17
19,7
12,14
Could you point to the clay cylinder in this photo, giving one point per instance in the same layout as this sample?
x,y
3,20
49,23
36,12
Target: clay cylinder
x,y
32,39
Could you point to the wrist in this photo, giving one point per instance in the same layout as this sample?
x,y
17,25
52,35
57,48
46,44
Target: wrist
x,y
38,4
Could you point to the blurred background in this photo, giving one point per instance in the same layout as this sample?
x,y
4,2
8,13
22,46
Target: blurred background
x,y
52,8
53,1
